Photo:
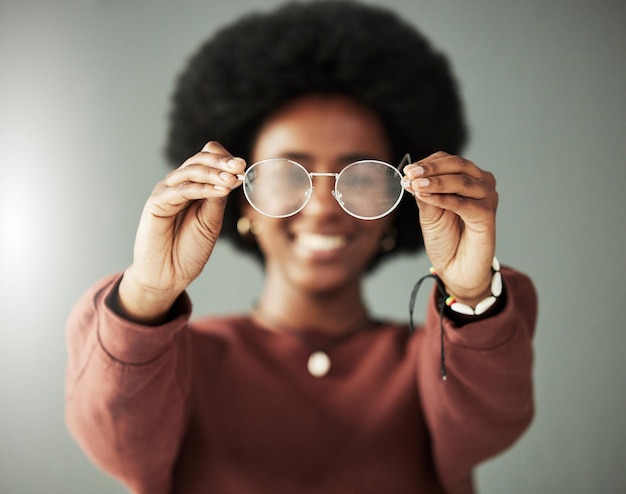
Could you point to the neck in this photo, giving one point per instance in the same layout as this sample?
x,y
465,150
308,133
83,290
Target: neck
x,y
332,312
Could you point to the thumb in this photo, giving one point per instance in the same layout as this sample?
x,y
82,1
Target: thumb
x,y
429,214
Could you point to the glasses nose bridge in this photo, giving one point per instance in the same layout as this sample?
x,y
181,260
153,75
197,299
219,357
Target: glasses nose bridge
x,y
334,175
317,200
323,174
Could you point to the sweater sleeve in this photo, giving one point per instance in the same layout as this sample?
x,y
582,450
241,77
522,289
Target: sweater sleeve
x,y
127,388
486,402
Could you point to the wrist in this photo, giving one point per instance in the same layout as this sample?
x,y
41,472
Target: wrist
x,y
480,304
141,305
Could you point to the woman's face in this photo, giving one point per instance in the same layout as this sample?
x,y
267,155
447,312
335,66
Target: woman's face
x,y
322,247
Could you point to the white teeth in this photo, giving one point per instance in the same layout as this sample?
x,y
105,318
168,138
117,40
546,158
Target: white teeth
x,y
315,241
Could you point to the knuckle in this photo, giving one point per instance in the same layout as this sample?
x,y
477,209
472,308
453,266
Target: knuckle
x,y
170,176
464,161
467,181
436,181
210,145
461,200
214,147
158,188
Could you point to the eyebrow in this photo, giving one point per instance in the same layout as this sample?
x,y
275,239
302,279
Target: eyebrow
x,y
304,158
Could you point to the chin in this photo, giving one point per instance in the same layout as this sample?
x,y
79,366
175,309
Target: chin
x,y
324,278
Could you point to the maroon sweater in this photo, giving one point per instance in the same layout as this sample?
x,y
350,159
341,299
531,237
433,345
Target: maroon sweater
x,y
221,405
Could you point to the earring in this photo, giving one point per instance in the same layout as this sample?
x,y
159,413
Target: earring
x,y
389,240
248,229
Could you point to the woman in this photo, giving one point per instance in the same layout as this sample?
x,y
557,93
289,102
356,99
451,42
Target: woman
x,y
307,392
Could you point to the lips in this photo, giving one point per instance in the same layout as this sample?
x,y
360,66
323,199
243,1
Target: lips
x,y
317,242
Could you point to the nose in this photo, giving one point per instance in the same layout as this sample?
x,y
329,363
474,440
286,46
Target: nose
x,y
322,201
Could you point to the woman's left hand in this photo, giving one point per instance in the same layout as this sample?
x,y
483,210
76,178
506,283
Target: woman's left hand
x,y
457,203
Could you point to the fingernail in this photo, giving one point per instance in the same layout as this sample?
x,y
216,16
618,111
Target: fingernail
x,y
225,176
423,182
418,171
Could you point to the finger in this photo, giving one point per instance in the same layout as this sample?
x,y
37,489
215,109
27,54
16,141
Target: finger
x,y
457,184
442,164
415,169
224,175
210,154
169,201
463,206
216,148
214,154
478,213
221,162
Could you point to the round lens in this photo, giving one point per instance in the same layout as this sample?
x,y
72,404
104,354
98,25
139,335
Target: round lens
x,y
277,187
369,189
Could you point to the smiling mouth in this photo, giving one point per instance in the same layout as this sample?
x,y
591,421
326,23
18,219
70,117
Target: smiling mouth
x,y
320,243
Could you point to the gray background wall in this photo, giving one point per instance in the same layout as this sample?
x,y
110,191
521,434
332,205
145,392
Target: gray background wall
x,y
83,96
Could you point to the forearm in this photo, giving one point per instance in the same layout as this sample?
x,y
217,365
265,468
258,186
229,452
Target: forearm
x,y
126,391
486,402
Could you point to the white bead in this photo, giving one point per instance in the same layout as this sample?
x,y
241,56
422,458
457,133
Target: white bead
x,y
484,305
496,284
318,364
495,265
462,309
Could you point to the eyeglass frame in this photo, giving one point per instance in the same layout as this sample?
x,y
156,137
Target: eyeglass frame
x,y
406,159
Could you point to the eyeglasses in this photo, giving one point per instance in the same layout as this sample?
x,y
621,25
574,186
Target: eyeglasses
x,y
365,189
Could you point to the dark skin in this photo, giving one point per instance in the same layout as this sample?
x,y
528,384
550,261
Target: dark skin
x,y
315,260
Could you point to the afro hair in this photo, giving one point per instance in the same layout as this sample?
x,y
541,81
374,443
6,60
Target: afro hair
x,y
254,66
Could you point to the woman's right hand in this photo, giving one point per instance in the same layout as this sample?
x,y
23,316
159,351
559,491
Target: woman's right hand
x,y
179,226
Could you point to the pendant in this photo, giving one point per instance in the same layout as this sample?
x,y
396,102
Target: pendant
x,y
318,364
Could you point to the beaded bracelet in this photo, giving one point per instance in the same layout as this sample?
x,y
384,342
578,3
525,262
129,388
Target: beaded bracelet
x,y
485,304
481,307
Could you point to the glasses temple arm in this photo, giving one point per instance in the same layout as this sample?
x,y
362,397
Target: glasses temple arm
x,y
406,159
